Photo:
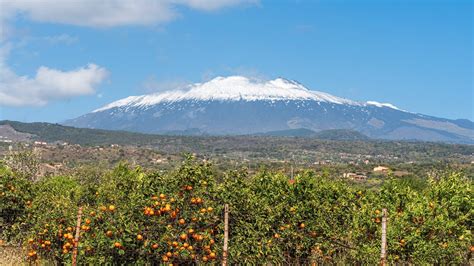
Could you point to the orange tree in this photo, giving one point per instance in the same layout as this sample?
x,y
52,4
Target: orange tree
x,y
134,217
131,217
51,218
313,219
434,225
15,199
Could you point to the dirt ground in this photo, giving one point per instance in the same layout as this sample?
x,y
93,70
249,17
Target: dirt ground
x,y
10,255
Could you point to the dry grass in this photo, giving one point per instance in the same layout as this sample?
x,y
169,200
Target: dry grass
x,y
10,255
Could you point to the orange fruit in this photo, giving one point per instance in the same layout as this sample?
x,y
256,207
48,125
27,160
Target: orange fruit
x,y
183,236
88,221
212,255
210,209
165,258
111,208
162,196
117,245
302,225
182,221
139,237
109,233
185,245
154,246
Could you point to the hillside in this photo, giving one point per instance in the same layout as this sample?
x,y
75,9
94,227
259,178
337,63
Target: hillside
x,y
306,150
331,134
49,132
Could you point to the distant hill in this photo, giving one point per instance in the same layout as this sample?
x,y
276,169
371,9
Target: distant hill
x,y
331,134
311,145
8,133
54,132
299,132
49,132
340,134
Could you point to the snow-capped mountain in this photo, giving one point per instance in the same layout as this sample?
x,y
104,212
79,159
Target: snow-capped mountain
x,y
239,105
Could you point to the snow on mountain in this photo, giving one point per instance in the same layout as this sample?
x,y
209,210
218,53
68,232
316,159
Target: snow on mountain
x,y
389,105
237,105
233,88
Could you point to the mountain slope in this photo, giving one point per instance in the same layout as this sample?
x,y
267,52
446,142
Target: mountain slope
x,y
237,105
53,132
331,134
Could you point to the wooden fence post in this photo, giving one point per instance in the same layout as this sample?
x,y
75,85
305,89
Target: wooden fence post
x,y
383,252
226,234
76,238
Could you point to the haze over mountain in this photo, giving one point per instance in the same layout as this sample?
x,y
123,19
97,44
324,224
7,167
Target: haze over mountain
x,y
238,105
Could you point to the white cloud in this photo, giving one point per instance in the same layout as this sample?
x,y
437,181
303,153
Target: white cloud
x,y
212,5
47,85
61,39
52,84
108,13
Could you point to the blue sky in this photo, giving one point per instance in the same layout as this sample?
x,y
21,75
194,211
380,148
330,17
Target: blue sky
x,y
417,55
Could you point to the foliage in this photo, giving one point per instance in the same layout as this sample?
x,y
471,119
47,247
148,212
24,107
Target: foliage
x,y
15,199
133,217
24,163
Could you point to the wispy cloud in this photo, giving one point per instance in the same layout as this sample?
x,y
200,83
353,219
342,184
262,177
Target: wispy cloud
x,y
304,28
110,13
152,84
52,84
249,72
60,39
